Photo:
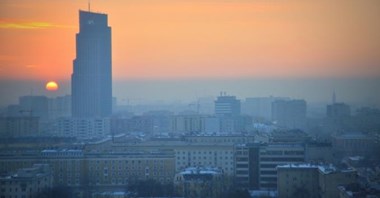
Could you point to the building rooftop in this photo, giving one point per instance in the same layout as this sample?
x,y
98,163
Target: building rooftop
x,y
298,166
201,170
323,168
352,136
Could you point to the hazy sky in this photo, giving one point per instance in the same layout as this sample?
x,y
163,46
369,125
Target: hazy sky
x,y
170,40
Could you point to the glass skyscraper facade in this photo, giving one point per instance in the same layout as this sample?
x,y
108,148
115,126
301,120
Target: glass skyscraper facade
x,y
91,80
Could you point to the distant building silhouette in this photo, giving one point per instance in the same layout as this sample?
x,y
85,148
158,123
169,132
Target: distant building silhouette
x,y
60,107
338,110
290,114
259,107
227,105
34,106
92,73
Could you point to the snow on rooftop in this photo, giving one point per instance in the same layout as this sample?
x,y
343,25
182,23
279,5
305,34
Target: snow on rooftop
x,y
298,166
201,170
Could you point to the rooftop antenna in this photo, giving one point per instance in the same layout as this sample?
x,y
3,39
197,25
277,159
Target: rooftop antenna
x,y
89,5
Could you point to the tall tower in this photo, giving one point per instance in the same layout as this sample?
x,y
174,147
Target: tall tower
x,y
91,80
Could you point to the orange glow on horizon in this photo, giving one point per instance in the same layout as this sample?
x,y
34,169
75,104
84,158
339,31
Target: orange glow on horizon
x,y
175,39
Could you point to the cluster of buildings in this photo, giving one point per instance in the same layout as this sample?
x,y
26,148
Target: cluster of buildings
x,y
190,163
259,144
42,116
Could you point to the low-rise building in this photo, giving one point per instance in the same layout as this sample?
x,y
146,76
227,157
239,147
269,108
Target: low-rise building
x,y
311,180
351,144
205,154
297,181
200,182
331,177
75,168
18,126
26,182
255,164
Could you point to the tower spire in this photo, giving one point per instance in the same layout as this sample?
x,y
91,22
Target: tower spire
x,y
89,5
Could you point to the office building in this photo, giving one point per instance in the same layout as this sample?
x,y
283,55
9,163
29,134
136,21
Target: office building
x,y
247,166
92,72
259,107
289,114
227,105
255,164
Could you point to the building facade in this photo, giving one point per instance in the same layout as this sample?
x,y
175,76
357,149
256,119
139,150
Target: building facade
x,y
290,114
26,182
83,128
227,106
92,72
256,164
200,182
311,180
297,180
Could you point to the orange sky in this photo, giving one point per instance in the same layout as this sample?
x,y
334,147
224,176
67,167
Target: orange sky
x,y
173,39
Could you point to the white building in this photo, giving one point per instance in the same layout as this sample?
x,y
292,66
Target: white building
x,y
205,154
83,128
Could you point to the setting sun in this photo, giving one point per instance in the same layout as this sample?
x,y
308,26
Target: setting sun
x,y
51,86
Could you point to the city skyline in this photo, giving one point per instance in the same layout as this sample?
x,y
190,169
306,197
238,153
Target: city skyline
x,y
191,49
191,39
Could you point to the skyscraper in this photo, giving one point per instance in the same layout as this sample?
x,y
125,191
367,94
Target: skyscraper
x,y
91,80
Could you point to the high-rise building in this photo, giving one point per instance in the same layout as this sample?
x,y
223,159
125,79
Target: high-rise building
x,y
227,105
34,106
259,107
92,73
289,114
307,180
